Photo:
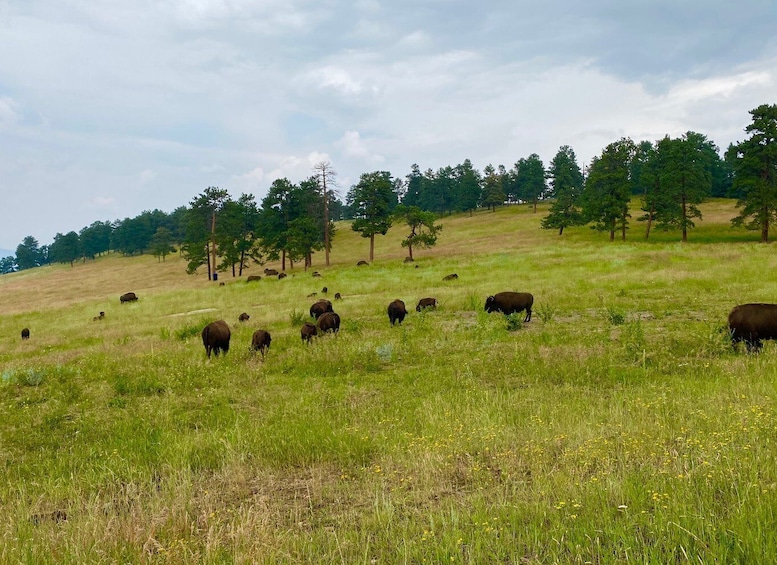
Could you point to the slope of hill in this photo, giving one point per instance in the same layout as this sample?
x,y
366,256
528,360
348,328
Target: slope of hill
x,y
617,425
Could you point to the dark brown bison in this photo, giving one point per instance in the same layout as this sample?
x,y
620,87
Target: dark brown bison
x,y
397,311
316,274
128,297
509,302
271,272
282,276
261,341
26,333
753,323
308,331
451,277
320,307
244,317
426,303
98,318
338,296
312,294
215,337
362,263
324,290
252,278
328,322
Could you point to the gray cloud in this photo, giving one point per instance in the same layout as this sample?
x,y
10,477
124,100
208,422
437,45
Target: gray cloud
x,y
109,108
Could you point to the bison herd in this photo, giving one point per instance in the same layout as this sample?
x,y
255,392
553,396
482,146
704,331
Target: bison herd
x,y
749,323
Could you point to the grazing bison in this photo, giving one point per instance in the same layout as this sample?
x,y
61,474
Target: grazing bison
x,y
215,337
320,307
252,278
316,274
338,296
244,317
261,341
271,272
509,302
26,333
128,297
753,323
98,318
362,263
397,311
308,331
324,290
312,294
282,276
426,303
329,322
451,277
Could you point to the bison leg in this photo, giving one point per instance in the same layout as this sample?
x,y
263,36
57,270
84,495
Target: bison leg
x,y
528,315
754,345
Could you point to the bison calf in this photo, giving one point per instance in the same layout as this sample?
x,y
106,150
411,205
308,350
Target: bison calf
x,y
753,323
396,311
426,303
26,333
509,302
261,341
215,338
244,317
308,331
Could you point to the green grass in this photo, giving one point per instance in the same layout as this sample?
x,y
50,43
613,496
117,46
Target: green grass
x,y
617,426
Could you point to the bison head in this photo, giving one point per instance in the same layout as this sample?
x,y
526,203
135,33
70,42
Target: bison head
x,y
489,304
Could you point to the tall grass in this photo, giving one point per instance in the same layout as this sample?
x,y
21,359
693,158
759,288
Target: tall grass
x,y
618,425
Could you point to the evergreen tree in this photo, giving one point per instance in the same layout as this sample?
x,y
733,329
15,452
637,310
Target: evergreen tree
x,y
372,201
530,180
65,248
468,189
607,189
492,192
685,180
566,181
162,243
201,220
754,163
8,265
96,239
29,254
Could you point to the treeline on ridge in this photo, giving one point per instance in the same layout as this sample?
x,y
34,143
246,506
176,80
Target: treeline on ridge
x,y
672,176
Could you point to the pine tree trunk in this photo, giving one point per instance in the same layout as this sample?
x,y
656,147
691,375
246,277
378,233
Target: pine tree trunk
x,y
372,247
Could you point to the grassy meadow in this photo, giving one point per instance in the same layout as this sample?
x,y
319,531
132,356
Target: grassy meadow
x,y
617,426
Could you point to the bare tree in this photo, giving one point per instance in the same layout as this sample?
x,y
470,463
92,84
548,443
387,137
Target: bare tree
x,y
326,177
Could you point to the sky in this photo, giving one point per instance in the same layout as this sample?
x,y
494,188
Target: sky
x,y
112,107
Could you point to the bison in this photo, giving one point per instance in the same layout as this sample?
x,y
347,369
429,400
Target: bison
x,y
324,290
338,296
26,333
128,297
320,307
261,341
329,322
244,317
362,263
215,337
509,302
426,303
308,331
282,276
98,318
397,311
252,278
451,277
271,272
752,323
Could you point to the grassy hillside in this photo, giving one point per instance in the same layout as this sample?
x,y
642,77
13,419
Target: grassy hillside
x,y
618,425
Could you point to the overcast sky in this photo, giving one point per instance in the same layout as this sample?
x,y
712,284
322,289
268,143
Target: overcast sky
x,y
109,108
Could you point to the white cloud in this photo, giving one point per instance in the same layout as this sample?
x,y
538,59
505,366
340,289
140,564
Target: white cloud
x,y
147,176
352,145
9,115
